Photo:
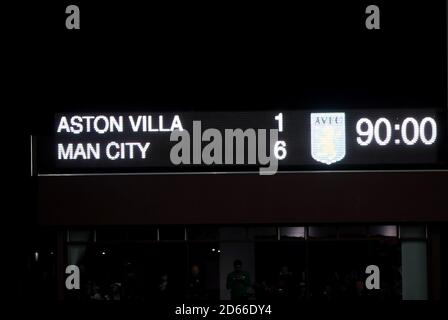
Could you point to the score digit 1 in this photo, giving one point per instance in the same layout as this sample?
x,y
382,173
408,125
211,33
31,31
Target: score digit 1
x,y
280,146
279,118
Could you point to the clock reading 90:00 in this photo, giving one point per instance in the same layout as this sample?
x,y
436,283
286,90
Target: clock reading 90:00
x,y
409,132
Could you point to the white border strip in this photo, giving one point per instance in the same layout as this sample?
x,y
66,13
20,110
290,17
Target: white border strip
x,y
31,156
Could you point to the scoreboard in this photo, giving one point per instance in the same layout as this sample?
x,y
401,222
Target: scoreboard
x,y
263,142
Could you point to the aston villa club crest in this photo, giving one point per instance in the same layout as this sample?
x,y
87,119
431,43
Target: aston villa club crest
x,y
328,137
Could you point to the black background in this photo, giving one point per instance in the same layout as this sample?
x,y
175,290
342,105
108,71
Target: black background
x,y
203,57
229,56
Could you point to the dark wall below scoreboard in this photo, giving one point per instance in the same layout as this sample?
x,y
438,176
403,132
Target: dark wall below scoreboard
x,y
243,199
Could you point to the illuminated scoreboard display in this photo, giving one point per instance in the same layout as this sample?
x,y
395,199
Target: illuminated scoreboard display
x,y
263,142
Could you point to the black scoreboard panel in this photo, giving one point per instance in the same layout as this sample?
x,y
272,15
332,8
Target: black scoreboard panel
x,y
388,139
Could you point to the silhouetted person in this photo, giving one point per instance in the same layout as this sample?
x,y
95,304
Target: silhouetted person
x,y
285,283
96,293
195,286
238,282
115,292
